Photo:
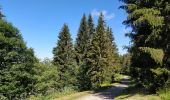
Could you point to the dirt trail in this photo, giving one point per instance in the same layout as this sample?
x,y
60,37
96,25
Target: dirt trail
x,y
108,94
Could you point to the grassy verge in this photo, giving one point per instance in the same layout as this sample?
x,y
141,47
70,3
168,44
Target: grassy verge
x,y
164,93
136,92
75,95
69,95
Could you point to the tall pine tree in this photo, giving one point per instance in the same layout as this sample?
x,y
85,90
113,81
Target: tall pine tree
x,y
84,78
112,57
81,50
64,59
82,40
91,28
99,54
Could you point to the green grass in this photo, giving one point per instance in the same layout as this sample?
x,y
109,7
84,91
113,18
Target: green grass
x,y
61,96
74,95
164,93
135,92
51,96
66,94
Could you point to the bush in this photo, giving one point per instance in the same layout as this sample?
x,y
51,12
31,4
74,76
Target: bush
x,y
164,93
117,77
47,77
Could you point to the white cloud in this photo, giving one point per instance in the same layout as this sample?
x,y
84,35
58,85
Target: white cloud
x,y
107,16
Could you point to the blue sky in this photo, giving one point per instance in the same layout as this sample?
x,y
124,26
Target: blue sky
x,y
41,20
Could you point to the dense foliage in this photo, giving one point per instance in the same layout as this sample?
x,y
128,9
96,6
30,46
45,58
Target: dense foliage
x,y
47,78
83,43
149,20
17,63
96,53
125,61
64,59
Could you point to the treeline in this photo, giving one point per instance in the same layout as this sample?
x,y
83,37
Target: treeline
x,y
150,37
90,62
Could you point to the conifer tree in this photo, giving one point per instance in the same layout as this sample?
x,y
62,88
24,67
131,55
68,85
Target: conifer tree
x,y
99,54
91,28
81,51
112,39
82,40
17,64
84,78
64,59
112,57
150,26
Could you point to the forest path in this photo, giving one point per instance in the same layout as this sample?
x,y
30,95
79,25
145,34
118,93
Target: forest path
x,y
110,93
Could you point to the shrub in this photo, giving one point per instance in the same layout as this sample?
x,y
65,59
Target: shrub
x,y
47,77
164,93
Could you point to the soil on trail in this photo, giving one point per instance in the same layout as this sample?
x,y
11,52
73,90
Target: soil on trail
x,y
110,93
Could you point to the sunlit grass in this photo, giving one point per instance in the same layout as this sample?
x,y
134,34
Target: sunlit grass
x,y
74,96
164,93
66,95
134,92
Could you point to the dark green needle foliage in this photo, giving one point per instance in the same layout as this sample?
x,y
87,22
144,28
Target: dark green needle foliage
x,y
149,20
99,55
17,63
85,35
91,29
125,61
64,59
82,40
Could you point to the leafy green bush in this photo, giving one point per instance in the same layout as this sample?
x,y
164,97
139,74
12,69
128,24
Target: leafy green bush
x,y
47,77
117,77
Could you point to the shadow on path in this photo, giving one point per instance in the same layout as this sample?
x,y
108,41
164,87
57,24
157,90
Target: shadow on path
x,y
112,92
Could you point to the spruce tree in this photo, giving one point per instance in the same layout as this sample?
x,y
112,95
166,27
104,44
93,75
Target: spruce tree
x,y
82,40
99,54
17,64
91,29
112,57
150,27
81,50
84,78
64,59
